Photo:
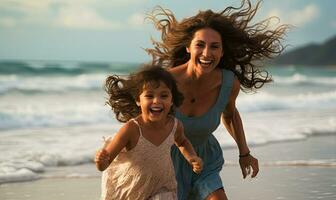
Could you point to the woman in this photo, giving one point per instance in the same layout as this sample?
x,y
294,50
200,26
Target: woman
x,y
212,55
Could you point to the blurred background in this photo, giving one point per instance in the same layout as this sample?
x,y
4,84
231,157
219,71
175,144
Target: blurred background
x,y
56,54
115,30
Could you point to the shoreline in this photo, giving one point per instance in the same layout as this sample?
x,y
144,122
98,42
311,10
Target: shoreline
x,y
273,182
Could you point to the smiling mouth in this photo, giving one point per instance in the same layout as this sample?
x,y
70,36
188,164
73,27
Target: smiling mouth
x,y
205,62
156,110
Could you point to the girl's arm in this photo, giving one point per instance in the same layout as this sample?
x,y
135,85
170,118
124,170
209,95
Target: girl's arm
x,y
233,123
187,150
106,155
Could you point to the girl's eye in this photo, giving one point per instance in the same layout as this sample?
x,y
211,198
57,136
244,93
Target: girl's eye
x,y
164,96
149,96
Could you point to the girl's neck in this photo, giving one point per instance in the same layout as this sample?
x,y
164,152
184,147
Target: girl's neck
x,y
156,124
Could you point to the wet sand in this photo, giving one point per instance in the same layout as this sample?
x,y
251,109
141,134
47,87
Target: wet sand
x,y
292,182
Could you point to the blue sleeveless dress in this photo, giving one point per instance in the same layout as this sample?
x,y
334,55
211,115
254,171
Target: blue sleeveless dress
x,y
199,131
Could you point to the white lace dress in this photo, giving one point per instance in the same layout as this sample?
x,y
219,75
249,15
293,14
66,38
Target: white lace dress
x,y
145,172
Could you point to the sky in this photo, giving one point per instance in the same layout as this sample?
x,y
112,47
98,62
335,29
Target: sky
x,y
115,30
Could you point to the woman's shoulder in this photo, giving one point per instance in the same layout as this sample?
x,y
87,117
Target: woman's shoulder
x,y
227,72
235,89
177,71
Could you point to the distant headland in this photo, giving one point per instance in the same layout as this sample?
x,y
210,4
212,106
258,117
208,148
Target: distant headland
x,y
310,55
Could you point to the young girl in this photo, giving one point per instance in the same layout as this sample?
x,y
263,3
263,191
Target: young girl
x,y
137,160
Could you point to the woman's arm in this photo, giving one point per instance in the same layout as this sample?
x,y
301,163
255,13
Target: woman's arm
x,y
106,155
187,150
233,123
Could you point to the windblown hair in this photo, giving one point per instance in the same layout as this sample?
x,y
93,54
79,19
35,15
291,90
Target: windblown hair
x,y
124,92
244,45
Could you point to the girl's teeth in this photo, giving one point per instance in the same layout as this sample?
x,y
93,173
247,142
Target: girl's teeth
x,y
156,109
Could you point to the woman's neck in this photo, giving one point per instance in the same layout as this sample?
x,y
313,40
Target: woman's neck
x,y
194,76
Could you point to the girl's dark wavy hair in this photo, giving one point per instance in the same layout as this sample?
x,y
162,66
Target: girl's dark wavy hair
x,y
124,92
245,46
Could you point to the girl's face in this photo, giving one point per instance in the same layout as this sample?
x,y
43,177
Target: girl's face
x,y
155,102
205,50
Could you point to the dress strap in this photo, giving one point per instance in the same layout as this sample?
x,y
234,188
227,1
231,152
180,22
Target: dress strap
x,y
137,123
226,88
175,126
228,78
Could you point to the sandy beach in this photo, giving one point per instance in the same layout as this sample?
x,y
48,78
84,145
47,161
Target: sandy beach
x,y
286,180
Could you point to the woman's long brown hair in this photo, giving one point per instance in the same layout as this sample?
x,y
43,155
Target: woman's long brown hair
x,y
245,45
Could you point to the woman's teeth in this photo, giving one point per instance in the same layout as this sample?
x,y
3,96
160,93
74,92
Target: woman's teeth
x,y
206,62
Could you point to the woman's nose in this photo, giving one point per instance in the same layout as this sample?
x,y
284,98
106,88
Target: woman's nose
x,y
206,51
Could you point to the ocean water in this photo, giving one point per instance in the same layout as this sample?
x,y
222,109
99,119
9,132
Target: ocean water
x,y
53,114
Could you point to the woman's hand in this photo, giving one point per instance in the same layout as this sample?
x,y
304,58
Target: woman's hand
x,y
248,162
102,159
197,164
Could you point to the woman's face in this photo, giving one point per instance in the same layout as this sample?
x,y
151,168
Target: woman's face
x,y
205,50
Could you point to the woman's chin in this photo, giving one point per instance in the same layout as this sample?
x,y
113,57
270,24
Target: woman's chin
x,y
205,68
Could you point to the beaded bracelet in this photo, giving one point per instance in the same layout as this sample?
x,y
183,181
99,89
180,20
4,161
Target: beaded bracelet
x,y
244,155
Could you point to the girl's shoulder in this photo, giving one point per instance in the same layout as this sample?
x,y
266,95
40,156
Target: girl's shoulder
x,y
178,124
176,120
129,133
130,128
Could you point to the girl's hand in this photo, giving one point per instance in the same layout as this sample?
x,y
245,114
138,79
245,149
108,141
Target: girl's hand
x,y
248,162
102,159
197,164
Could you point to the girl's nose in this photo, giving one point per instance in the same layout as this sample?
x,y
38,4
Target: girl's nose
x,y
156,100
